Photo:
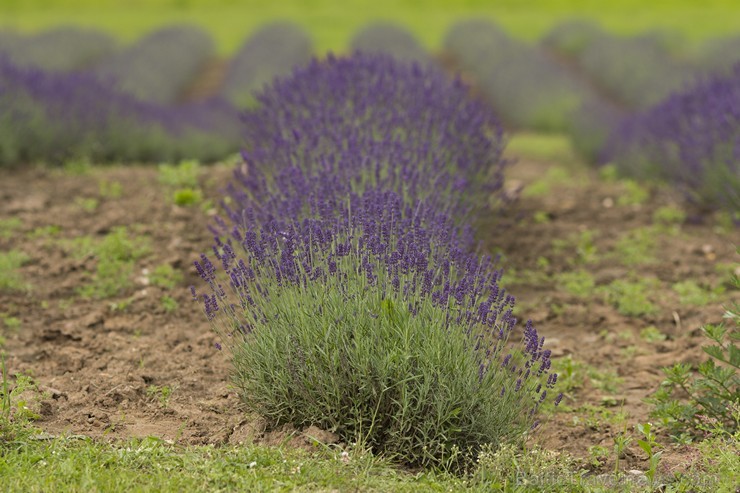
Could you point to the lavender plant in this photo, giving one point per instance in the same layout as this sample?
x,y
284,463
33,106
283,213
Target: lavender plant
x,y
719,55
692,139
346,293
370,119
271,52
572,37
160,66
392,40
528,88
370,324
59,49
591,126
635,72
52,117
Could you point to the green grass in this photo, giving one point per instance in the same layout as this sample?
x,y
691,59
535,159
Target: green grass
x,y
151,464
333,24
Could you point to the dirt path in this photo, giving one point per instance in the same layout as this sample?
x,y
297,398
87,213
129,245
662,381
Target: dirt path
x,y
126,366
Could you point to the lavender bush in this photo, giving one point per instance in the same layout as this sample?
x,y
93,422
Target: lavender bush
x,y
635,72
572,37
51,117
160,66
527,87
376,324
350,300
392,40
59,49
719,55
369,119
591,126
271,52
692,138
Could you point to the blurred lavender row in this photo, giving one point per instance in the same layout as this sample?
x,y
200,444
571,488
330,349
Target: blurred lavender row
x,y
635,72
53,117
271,52
528,89
691,139
159,67
60,49
390,39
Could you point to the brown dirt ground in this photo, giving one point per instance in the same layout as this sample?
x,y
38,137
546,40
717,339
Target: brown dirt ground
x,y
94,364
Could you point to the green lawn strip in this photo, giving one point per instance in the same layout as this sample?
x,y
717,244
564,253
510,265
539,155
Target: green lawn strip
x,y
151,464
332,26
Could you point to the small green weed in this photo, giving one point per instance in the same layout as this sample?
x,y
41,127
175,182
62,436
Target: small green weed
x,y
636,247
77,167
528,276
187,196
9,226
605,380
632,194
15,410
164,276
169,304
630,298
650,446
541,217
184,175
582,244
110,189
652,334
669,215
116,254
162,394
45,231
12,323
554,176
609,173
598,455
713,393
10,278
87,204
579,283
621,441
691,293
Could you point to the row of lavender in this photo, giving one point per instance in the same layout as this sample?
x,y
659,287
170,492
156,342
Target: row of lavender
x,y
633,72
344,278
637,102
68,94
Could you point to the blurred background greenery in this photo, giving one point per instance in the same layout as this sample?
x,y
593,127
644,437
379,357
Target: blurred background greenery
x,y
332,23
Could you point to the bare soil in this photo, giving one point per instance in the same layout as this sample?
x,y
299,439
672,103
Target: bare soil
x,y
98,365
